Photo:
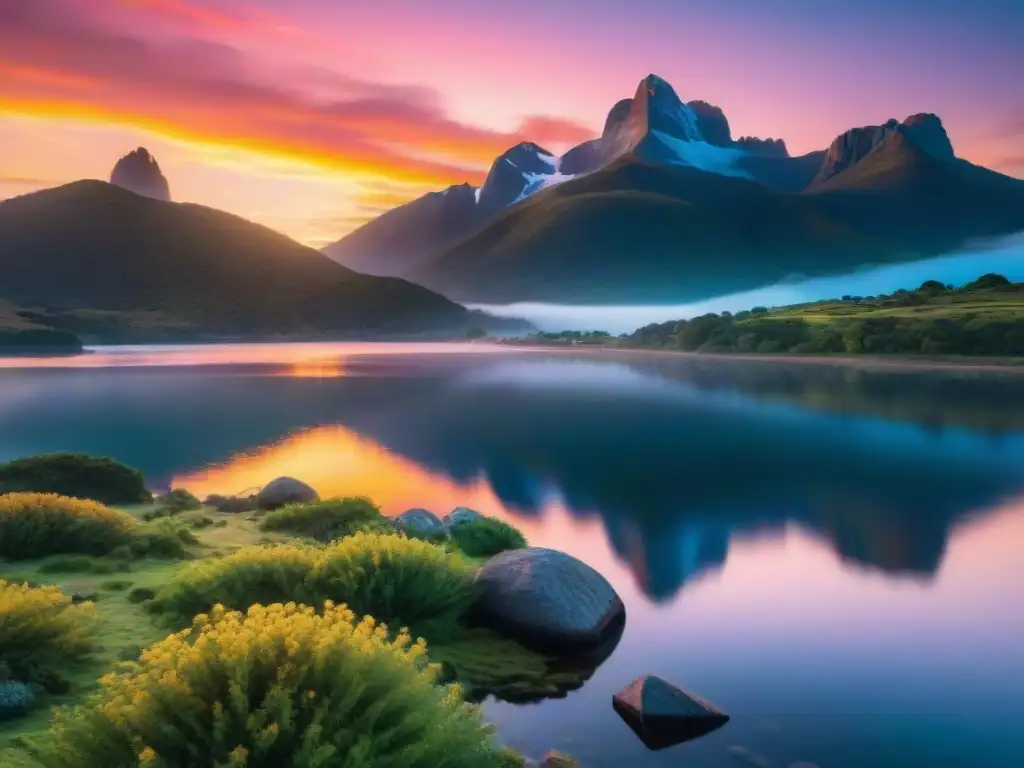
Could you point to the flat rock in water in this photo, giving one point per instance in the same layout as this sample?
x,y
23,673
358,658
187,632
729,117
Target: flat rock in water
x,y
663,715
283,491
420,522
548,600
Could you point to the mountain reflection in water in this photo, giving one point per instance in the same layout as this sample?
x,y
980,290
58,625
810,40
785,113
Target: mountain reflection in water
x,y
824,552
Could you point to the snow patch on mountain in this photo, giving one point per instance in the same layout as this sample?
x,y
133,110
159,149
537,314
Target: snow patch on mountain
x,y
701,155
538,181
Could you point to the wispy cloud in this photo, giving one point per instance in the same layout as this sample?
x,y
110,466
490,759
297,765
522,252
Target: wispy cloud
x,y
58,60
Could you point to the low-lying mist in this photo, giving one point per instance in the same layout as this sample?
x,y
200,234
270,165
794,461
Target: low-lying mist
x,y
1004,256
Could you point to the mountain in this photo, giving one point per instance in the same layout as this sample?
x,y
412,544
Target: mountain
x,y
392,244
665,205
98,260
139,172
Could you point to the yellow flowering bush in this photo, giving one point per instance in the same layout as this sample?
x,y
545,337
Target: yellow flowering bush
x,y
326,520
277,686
404,582
40,524
40,630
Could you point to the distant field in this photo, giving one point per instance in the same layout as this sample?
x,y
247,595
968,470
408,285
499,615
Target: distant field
x,y
994,306
982,318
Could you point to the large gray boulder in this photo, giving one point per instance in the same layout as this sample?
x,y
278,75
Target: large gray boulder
x,y
548,600
421,523
285,490
460,516
663,715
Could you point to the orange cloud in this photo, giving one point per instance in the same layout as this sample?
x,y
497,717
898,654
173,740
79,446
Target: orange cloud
x,y
63,62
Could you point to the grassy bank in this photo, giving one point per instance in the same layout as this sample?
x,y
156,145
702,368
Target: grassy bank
x,y
984,318
321,555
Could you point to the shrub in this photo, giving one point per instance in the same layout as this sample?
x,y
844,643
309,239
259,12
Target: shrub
x,y
179,500
325,520
278,686
40,629
75,474
115,586
83,564
486,536
404,582
36,524
16,699
203,521
141,595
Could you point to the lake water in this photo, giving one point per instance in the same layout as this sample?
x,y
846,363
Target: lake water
x,y
835,556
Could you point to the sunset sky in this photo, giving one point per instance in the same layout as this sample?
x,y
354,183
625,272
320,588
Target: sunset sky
x,y
312,116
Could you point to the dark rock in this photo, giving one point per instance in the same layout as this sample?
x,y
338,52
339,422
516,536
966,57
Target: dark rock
x,y
767,147
421,523
583,158
89,597
139,172
141,595
662,715
548,600
927,132
711,120
285,490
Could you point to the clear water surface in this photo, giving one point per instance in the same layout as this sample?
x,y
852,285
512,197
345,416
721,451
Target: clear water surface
x,y
832,555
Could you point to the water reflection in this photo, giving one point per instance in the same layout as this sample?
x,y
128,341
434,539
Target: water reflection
x,y
828,550
672,471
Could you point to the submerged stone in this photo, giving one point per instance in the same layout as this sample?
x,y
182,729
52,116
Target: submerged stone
x,y
285,490
663,715
548,600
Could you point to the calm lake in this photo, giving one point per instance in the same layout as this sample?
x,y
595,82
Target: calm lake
x,y
835,556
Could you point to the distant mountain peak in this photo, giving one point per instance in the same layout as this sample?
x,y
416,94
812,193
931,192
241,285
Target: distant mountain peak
x,y
139,172
514,172
923,130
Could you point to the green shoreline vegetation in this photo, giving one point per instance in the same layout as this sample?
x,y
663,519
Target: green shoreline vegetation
x,y
128,633
983,318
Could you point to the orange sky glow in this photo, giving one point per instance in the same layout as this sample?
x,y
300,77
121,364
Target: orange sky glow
x,y
313,116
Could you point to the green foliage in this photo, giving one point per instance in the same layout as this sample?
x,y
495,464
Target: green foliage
x,y
179,500
984,317
476,332
987,281
325,520
279,686
486,536
141,595
41,630
84,564
117,585
404,582
75,474
37,524
16,699
39,339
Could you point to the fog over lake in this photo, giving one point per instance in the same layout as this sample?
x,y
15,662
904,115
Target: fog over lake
x,y
1005,256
